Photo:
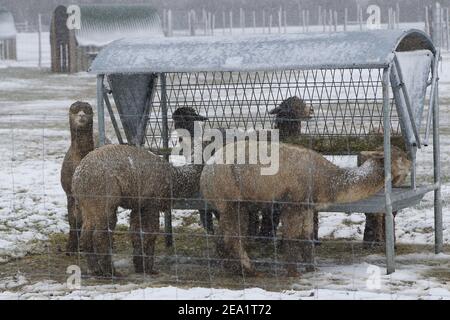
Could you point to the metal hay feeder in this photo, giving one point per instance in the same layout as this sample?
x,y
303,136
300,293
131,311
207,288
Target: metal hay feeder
x,y
346,77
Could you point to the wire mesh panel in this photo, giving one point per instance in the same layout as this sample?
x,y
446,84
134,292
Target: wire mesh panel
x,y
346,104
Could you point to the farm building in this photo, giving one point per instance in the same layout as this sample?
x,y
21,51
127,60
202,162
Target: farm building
x,y
74,50
8,32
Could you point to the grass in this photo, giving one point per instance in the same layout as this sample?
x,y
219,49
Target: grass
x,y
193,261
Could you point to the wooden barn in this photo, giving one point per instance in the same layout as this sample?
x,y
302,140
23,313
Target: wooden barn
x,y
8,33
74,50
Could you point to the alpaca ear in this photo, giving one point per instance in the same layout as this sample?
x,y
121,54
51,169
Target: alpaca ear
x,y
275,111
372,154
201,118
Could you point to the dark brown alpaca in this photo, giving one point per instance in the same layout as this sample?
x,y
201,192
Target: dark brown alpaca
x,y
82,142
289,117
132,178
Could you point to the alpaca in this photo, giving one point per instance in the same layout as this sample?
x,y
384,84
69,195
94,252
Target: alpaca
x,y
305,181
289,117
132,178
82,142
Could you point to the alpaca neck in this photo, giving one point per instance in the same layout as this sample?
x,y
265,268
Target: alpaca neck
x,y
82,140
186,180
358,183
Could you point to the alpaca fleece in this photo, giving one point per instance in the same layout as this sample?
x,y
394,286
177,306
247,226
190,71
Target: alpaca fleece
x,y
132,178
305,182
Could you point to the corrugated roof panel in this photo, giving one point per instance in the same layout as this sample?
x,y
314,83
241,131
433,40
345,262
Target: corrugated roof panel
x,y
258,52
102,24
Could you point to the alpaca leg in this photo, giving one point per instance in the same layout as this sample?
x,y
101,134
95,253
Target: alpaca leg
x,y
316,227
298,233
374,231
144,227
308,235
270,221
75,227
233,225
97,238
206,220
253,222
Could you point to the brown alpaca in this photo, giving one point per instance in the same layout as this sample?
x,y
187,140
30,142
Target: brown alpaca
x,y
132,178
82,142
305,182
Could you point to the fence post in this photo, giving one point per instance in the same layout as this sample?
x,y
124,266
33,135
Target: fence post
x,y
398,15
270,23
242,20
389,18
360,19
345,19
447,31
164,22
304,20
264,21
427,21
169,23
40,39
441,23
357,14
279,19
231,21
319,20
307,20
223,22
330,21
285,21
300,14
435,25
335,21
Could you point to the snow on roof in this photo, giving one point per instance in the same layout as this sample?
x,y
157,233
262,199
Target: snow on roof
x,y
258,52
7,26
102,24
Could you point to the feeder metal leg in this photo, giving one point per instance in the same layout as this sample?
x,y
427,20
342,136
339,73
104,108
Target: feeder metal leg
x,y
168,229
437,176
100,110
389,218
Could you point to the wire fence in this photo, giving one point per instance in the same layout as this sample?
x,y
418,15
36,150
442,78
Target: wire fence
x,y
347,113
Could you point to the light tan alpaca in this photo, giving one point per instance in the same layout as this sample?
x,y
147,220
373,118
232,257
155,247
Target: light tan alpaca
x,y
305,182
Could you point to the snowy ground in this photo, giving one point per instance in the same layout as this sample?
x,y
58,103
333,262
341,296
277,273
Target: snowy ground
x,y
34,137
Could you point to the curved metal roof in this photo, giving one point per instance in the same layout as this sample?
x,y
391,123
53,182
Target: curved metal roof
x,y
7,26
102,24
258,52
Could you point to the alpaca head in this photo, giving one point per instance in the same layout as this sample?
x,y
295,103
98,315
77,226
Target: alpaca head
x,y
289,114
185,118
401,165
81,116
